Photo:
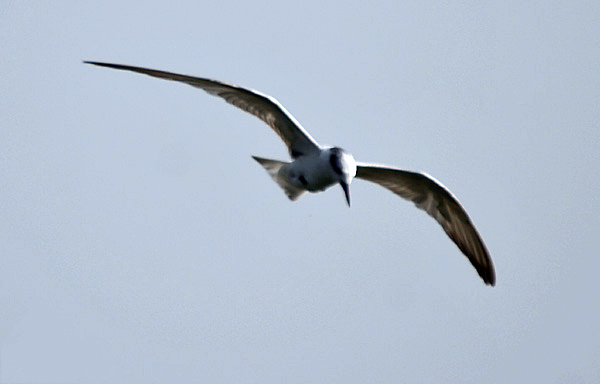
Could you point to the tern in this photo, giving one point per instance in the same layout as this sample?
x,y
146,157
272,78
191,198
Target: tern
x,y
315,168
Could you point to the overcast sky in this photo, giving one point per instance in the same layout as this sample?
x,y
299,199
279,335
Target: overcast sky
x,y
140,243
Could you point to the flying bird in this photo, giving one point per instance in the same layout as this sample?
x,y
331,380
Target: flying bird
x,y
315,168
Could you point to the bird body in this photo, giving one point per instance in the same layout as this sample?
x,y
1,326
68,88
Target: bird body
x,y
314,172
315,168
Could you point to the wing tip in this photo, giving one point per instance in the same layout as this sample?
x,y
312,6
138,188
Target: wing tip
x,y
491,278
101,64
491,281
487,272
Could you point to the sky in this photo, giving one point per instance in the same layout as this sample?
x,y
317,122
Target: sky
x,y
139,241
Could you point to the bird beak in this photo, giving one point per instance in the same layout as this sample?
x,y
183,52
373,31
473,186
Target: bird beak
x,y
346,189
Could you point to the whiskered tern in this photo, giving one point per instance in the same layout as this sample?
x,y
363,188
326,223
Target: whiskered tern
x,y
315,168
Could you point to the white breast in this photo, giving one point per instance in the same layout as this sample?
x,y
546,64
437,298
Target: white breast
x,y
312,173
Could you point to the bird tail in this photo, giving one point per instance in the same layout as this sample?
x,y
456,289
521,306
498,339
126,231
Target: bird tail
x,y
274,168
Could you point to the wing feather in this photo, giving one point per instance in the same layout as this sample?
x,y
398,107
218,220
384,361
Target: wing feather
x,y
266,108
431,196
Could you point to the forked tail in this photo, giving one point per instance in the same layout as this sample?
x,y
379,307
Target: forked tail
x,y
273,167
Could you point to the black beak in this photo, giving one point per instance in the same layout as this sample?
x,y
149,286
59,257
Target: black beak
x,y
346,189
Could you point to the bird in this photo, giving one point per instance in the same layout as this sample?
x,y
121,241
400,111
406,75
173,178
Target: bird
x,y
315,168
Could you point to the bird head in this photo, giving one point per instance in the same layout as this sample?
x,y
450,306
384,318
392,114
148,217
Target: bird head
x,y
344,168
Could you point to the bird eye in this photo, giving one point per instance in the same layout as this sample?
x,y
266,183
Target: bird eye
x,y
334,160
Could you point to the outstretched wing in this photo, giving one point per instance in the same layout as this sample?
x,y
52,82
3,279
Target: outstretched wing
x,y
431,196
266,108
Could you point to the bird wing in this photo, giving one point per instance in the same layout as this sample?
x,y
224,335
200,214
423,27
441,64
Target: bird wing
x,y
431,196
266,108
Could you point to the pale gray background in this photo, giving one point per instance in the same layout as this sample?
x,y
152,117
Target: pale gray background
x,y
141,243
